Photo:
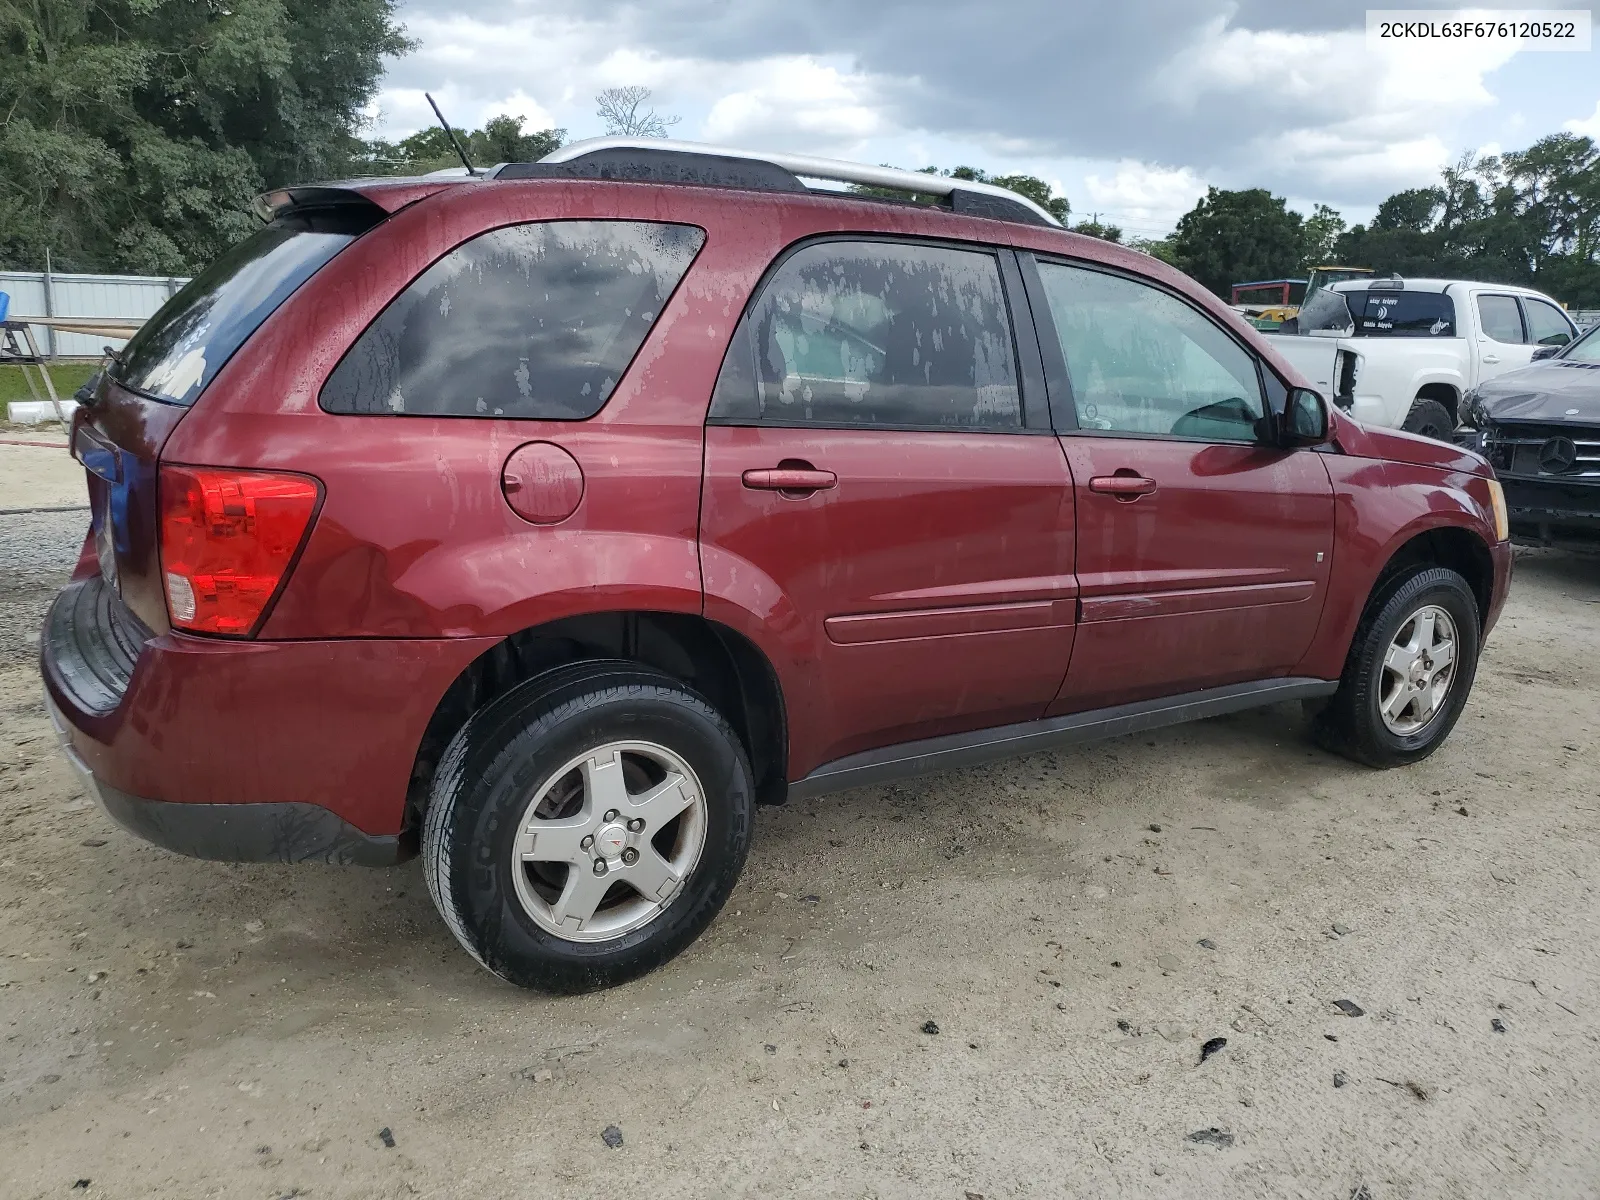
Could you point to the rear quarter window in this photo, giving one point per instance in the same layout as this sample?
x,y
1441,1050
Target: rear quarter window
x,y
1405,314
530,321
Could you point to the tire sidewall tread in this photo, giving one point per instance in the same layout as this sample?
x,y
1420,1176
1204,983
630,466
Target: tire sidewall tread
x,y
1351,725
486,776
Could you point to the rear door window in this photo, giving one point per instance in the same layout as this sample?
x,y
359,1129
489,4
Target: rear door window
x,y
1501,320
532,321
893,334
1406,314
177,352
1547,325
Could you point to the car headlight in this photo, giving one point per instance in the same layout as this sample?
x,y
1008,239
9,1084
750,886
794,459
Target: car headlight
x,y
1497,501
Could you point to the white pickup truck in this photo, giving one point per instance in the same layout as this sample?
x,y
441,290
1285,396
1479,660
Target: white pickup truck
x,y
1403,352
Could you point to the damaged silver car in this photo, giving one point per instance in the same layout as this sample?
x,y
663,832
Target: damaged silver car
x,y
1540,427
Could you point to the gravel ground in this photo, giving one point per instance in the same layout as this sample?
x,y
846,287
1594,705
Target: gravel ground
x,y
181,1028
37,550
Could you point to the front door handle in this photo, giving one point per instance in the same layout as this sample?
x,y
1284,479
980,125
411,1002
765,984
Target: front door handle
x,y
1491,359
789,479
1123,487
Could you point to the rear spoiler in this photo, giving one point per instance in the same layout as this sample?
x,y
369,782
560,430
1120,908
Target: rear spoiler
x,y
379,196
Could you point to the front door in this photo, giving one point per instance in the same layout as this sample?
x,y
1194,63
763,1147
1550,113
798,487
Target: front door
x,y
1203,551
876,507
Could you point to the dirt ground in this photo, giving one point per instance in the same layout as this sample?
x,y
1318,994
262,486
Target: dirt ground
x,y
174,1028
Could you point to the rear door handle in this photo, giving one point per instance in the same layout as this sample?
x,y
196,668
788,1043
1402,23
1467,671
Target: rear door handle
x,y
789,479
1123,487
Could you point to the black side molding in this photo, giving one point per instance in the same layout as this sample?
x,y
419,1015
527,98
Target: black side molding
x,y
985,745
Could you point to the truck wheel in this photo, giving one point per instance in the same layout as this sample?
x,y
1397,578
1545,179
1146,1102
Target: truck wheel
x,y
587,826
1430,419
1410,669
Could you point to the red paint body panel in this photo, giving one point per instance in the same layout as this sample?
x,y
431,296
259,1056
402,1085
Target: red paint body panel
x,y
1379,507
1215,577
979,525
933,588
207,721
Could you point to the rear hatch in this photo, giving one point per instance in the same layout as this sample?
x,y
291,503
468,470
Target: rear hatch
x,y
148,387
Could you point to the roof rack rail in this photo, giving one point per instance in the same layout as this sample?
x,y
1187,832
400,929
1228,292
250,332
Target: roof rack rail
x,y
664,160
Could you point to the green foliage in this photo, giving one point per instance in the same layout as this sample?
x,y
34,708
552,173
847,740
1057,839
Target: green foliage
x,y
66,378
1157,248
1099,229
1529,217
1031,186
500,140
1229,237
1320,232
134,133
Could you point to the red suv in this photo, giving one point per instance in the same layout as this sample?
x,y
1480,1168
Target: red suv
x,y
549,520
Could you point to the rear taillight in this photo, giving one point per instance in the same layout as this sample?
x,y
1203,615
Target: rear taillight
x,y
227,537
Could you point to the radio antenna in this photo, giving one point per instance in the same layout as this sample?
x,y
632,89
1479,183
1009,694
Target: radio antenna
x,y
450,133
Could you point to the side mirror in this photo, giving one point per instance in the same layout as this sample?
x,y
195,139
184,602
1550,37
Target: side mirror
x,y
1547,352
1305,419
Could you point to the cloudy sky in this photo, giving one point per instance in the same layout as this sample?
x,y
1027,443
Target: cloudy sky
x,y
1131,107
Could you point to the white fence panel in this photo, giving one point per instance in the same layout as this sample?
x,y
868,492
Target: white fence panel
x,y
33,294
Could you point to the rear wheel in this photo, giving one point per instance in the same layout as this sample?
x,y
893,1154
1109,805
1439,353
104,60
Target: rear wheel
x,y
1430,419
1410,670
587,826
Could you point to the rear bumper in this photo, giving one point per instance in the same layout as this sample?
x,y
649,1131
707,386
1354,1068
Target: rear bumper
x,y
265,832
250,751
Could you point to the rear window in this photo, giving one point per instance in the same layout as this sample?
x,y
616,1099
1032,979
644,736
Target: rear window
x,y
1405,314
531,321
177,352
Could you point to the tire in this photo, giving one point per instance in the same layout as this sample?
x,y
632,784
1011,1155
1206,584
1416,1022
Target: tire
x,y
540,740
1353,724
1430,419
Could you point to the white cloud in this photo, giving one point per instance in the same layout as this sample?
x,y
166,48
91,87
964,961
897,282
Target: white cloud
x,y
799,103
1364,116
1235,92
1138,194
1588,126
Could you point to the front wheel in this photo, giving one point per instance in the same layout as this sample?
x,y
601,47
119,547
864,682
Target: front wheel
x,y
587,826
1409,672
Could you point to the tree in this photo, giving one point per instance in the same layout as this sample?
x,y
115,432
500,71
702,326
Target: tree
x,y
134,133
500,140
620,108
1230,237
1321,231
1096,228
1528,217
1031,186
1160,248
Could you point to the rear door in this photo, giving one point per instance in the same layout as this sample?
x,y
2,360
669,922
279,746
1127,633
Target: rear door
x,y
1203,550
877,497
1503,342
